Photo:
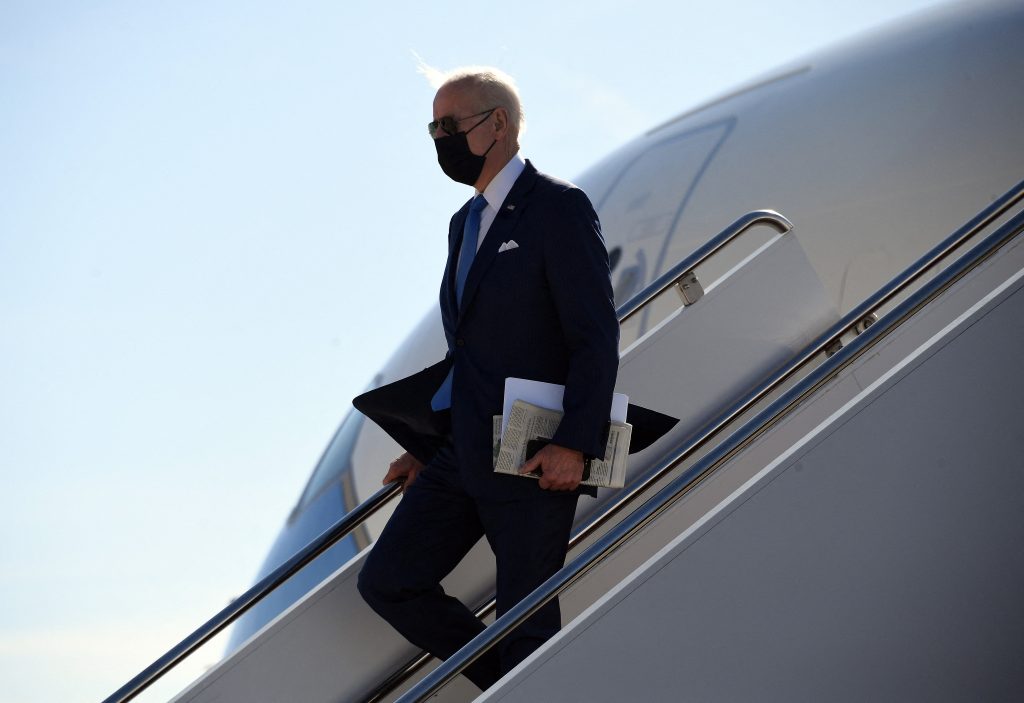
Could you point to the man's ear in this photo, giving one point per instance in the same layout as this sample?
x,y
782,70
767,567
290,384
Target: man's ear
x,y
500,122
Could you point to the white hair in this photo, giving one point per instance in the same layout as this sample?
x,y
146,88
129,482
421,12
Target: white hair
x,y
487,88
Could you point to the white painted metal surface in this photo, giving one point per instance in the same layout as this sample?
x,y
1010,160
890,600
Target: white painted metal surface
x,y
707,355
869,548
329,646
876,151
780,305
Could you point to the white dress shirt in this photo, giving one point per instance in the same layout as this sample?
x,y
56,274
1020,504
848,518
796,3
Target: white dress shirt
x,y
496,192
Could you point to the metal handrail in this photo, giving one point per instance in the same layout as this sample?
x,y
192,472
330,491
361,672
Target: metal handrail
x,y
683,484
826,340
699,256
756,217
710,430
255,594
360,513
355,518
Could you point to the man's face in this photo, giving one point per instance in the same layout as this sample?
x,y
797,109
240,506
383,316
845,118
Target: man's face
x,y
451,101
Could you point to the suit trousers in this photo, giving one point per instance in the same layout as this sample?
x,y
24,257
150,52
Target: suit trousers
x,y
434,526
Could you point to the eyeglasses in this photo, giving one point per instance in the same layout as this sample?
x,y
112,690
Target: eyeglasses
x,y
451,124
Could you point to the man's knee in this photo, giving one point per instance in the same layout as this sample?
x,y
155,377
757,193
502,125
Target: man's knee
x,y
383,584
374,586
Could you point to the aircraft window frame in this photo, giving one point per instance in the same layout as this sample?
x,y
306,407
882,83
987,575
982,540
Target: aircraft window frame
x,y
725,127
332,466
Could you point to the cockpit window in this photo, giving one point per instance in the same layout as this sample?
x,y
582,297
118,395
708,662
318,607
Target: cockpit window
x,y
337,458
643,208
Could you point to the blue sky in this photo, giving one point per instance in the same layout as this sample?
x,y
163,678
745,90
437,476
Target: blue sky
x,y
218,220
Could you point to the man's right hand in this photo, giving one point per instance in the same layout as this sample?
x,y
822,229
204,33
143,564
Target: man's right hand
x,y
405,468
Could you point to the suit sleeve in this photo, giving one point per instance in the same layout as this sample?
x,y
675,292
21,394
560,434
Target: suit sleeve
x,y
447,319
578,275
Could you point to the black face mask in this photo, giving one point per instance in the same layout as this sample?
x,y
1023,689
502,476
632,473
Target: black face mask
x,y
456,160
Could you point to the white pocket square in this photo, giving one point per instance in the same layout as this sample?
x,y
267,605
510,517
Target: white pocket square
x,y
510,244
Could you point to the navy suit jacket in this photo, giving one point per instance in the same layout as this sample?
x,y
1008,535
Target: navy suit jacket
x,y
543,310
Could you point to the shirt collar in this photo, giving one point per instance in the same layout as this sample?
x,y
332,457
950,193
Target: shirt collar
x,y
498,189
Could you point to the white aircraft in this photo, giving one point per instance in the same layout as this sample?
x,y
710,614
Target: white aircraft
x,y
866,542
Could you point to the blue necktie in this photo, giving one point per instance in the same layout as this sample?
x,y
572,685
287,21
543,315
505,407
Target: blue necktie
x,y
470,234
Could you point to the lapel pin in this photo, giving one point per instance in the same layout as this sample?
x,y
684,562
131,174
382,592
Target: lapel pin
x,y
511,207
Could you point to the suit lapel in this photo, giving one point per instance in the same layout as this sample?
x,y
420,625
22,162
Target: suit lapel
x,y
452,266
504,223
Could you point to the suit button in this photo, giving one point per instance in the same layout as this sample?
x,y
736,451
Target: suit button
x,y
460,342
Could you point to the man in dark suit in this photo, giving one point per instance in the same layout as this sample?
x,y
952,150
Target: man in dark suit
x,y
526,293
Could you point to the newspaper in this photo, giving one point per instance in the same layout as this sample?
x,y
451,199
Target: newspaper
x,y
527,422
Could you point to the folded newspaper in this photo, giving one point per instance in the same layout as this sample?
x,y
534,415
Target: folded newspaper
x,y
528,423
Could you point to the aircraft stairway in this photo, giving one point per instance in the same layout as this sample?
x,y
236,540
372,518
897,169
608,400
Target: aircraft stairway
x,y
866,547
796,352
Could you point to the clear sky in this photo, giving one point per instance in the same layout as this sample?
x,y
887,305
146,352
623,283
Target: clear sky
x,y
217,220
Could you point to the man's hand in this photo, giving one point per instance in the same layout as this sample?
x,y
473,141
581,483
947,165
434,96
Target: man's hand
x,y
561,468
405,467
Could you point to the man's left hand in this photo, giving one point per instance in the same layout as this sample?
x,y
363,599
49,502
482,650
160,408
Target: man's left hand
x,y
561,468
